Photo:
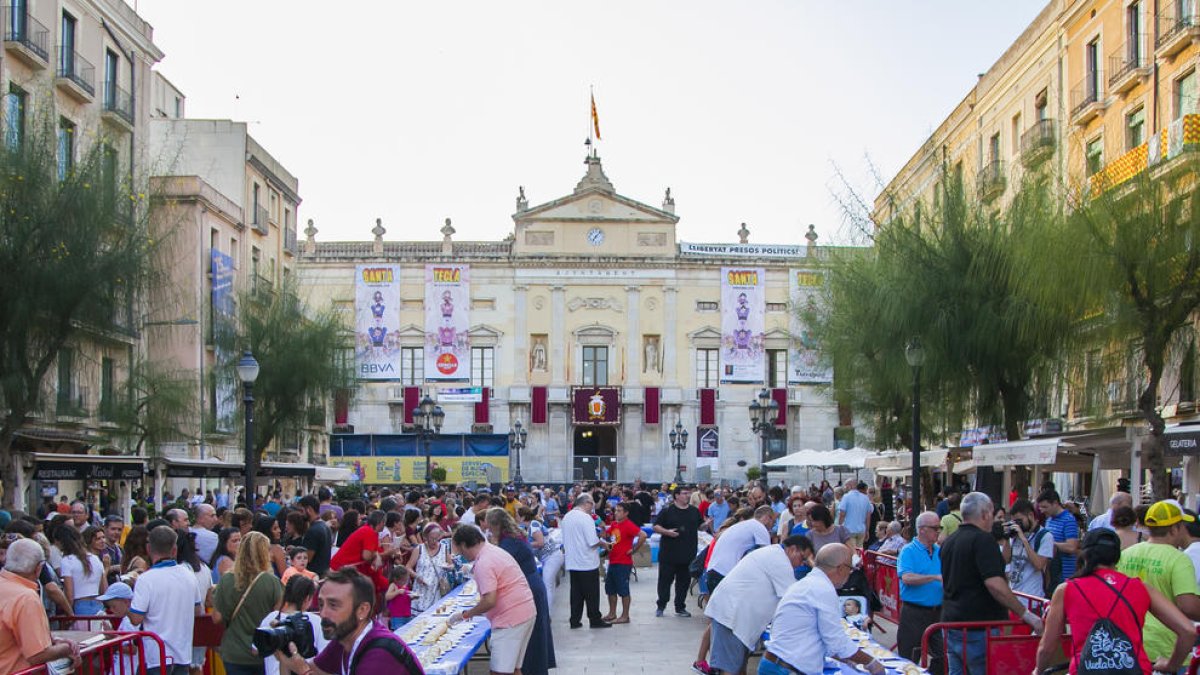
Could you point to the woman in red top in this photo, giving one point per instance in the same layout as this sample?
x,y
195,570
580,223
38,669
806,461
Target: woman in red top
x,y
1099,591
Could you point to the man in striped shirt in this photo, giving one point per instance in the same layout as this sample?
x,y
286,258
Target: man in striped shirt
x,y
1065,530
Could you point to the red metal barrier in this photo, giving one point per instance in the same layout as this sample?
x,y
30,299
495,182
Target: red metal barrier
x,y
1010,647
114,654
881,574
97,623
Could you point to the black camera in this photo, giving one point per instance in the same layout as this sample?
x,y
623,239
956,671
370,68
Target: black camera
x,y
292,629
999,532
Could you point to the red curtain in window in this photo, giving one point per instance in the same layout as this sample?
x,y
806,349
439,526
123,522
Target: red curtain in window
x,y
341,407
412,399
481,408
537,414
652,408
708,406
780,396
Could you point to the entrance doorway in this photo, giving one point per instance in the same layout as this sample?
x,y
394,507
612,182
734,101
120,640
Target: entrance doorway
x,y
595,453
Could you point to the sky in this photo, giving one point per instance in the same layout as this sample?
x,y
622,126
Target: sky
x,y
415,112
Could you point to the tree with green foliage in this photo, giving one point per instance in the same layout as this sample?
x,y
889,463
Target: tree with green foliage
x,y
949,274
297,348
1125,263
158,407
76,255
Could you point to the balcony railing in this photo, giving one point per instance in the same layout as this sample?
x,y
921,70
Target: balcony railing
x,y
1085,99
1039,141
1182,135
1127,63
118,102
991,180
289,241
22,29
76,69
1175,33
260,219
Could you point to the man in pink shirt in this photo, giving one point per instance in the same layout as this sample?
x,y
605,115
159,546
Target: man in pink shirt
x,y
504,598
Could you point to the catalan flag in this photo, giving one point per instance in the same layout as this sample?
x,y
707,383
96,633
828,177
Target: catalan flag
x,y
595,118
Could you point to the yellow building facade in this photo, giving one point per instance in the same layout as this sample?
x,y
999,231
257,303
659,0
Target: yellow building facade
x,y
591,292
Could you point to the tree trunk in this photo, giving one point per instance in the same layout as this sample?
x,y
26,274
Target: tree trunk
x,y
1013,417
1153,459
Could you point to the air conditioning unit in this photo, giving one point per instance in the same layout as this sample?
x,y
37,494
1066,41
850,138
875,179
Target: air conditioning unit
x,y
408,428
343,428
481,428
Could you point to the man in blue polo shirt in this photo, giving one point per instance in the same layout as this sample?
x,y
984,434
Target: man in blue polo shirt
x,y
1065,529
919,567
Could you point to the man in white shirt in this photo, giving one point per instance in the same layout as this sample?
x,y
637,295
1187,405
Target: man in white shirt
x,y
1027,551
1118,500
894,541
812,603
166,600
580,545
206,538
736,542
738,624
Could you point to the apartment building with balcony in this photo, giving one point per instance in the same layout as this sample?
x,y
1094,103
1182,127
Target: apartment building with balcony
x,y
83,67
1099,91
226,210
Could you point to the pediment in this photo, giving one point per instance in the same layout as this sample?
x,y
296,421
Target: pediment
x,y
412,330
483,331
777,333
595,205
706,333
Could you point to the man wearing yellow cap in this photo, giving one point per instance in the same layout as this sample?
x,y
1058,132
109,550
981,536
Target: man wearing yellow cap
x,y
1160,563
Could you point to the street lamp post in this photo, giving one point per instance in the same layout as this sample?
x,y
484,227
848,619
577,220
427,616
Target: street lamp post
x,y
763,412
678,437
247,370
516,441
914,353
428,417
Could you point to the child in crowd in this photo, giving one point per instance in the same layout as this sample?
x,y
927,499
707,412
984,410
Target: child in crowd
x,y
399,597
852,610
299,556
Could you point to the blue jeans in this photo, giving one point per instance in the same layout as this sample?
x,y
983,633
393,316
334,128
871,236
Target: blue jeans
x,y
169,670
976,651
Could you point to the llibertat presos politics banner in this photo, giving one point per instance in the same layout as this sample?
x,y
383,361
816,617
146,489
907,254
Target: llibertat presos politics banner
x,y
805,362
377,321
743,315
447,314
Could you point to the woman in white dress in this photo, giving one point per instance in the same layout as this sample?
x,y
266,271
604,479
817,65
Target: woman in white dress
x,y
430,565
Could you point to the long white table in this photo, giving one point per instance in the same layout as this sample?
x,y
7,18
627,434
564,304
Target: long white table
x,y
446,653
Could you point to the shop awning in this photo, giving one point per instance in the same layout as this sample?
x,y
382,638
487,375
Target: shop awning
x,y
1039,451
1182,439
901,460
965,467
216,468
339,475
54,466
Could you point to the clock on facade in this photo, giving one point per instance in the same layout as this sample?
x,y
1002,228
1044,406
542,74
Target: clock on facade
x,y
595,236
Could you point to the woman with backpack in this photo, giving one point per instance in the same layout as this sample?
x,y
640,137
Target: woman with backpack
x,y
1106,611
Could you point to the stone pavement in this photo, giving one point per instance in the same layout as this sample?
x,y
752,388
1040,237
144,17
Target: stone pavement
x,y
647,644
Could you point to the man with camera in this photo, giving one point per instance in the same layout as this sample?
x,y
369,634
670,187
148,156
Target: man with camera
x,y
1027,550
358,644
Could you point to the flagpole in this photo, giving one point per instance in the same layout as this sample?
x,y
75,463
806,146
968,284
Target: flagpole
x,y
591,136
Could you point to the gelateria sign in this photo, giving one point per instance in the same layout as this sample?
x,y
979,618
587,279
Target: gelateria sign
x,y
743,250
596,405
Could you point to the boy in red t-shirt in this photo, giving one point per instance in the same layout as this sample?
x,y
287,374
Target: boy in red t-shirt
x,y
623,533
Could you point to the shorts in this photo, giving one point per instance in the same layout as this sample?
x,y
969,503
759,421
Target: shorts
x,y
398,621
508,646
728,653
616,579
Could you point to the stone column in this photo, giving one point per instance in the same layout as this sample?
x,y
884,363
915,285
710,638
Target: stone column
x,y
670,317
520,360
633,338
558,337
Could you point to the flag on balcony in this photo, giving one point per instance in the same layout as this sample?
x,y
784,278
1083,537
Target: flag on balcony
x,y
708,406
595,118
780,396
412,399
652,407
481,408
537,412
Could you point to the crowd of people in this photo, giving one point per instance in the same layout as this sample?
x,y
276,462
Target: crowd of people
x,y
359,569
